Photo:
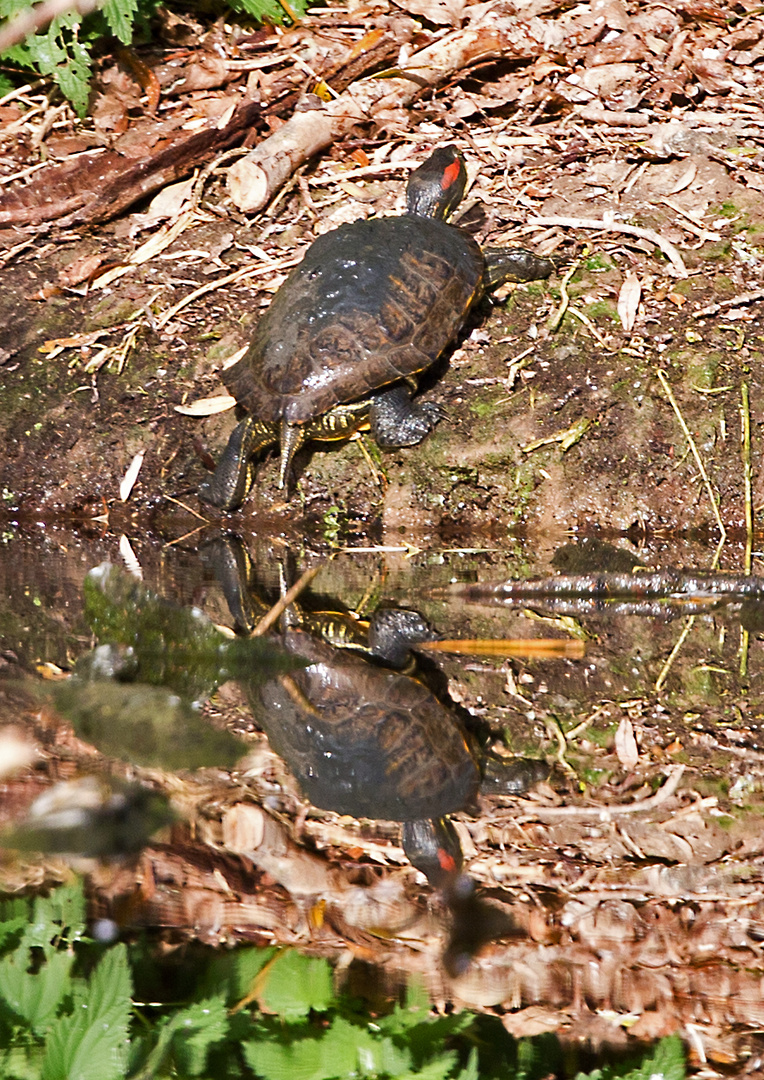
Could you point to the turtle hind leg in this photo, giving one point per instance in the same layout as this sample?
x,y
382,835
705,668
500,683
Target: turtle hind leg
x,y
339,423
228,486
396,422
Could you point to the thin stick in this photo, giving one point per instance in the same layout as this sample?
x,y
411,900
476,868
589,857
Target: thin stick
x,y
745,413
32,19
691,442
288,598
605,813
734,301
673,654
555,321
668,249
507,646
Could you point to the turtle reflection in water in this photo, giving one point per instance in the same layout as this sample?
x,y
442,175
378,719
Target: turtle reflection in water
x,y
365,735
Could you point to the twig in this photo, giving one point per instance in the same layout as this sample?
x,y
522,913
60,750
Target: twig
x,y
608,225
559,315
734,301
246,271
745,414
289,597
745,410
606,813
691,443
674,653
590,327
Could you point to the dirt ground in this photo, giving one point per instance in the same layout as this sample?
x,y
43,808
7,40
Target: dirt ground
x,y
621,399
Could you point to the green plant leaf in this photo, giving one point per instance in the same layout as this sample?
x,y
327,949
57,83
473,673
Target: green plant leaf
x,y
91,1042
470,1071
666,1061
21,1063
58,917
35,995
120,15
272,11
198,1028
296,984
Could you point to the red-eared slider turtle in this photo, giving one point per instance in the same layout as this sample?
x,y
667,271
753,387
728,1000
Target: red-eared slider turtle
x,y
372,304
359,725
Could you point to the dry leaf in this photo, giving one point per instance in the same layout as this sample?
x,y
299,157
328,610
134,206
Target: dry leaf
x,y
626,745
208,406
129,557
128,480
79,270
170,201
440,12
628,301
684,180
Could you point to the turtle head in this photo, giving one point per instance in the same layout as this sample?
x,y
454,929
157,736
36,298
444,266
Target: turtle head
x,y
435,189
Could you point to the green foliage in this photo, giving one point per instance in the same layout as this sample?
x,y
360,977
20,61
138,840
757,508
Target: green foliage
x,y
62,50
66,1012
136,696
55,1022
170,646
296,984
57,51
664,1062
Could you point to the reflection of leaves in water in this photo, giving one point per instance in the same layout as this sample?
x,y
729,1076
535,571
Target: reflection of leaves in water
x,y
134,696
146,725
175,647
93,818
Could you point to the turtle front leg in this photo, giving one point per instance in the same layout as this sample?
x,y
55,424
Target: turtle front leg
x,y
228,486
396,422
293,436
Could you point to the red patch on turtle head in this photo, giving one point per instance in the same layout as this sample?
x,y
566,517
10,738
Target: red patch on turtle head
x,y
447,862
450,175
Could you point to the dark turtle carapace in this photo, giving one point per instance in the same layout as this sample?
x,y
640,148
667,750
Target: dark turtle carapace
x,y
372,304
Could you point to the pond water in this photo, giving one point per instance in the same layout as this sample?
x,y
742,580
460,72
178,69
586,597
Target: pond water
x,y
577,781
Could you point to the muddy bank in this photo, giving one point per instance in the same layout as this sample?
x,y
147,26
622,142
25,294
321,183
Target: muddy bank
x,y
578,433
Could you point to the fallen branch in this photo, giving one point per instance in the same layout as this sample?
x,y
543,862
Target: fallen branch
x,y
734,301
608,225
606,813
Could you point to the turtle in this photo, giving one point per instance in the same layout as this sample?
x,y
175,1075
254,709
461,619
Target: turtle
x,y
362,725
372,304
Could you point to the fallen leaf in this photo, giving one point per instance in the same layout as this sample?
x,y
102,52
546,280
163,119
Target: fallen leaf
x,y
129,557
440,12
628,301
128,480
626,745
207,406
79,270
684,180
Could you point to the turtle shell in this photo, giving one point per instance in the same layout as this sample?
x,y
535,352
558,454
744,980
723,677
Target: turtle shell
x,y
364,740
371,302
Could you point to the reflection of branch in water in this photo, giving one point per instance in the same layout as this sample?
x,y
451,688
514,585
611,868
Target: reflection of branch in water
x,y
663,593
